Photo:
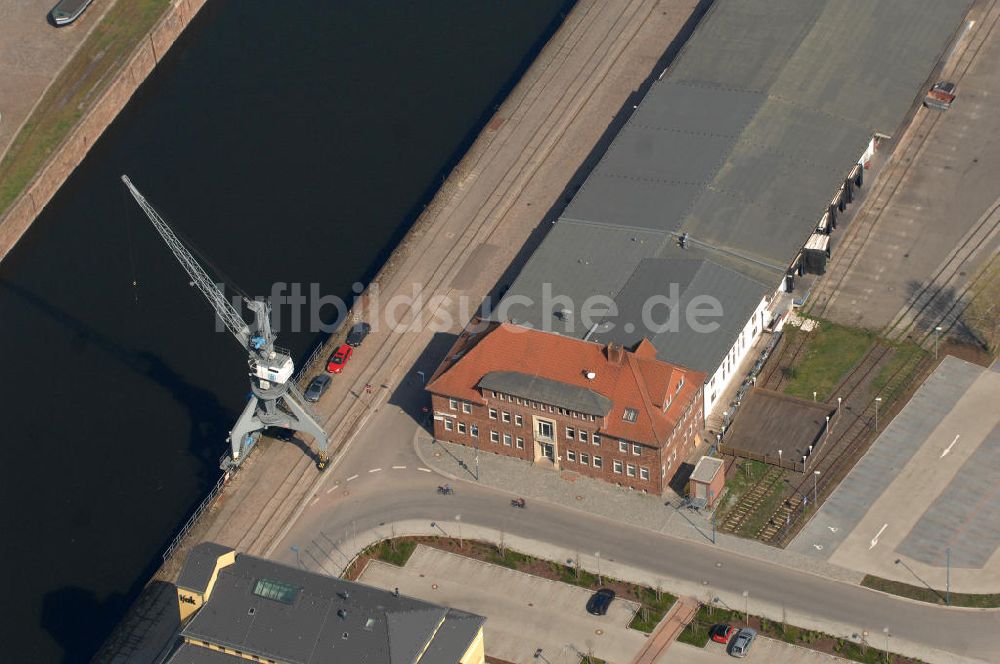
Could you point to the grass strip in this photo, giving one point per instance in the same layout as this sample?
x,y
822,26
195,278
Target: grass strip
x,y
75,90
930,595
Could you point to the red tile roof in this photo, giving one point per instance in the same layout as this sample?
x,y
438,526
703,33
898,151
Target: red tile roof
x,y
631,379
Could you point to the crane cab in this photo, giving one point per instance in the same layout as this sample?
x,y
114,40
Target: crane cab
x,y
277,368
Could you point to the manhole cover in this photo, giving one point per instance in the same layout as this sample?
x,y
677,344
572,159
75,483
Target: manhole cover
x,y
434,586
437,454
530,604
346,492
599,632
718,564
421,576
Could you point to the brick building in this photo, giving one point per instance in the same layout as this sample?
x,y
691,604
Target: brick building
x,y
603,411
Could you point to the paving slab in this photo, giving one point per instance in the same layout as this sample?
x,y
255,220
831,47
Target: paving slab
x,y
523,612
764,650
926,486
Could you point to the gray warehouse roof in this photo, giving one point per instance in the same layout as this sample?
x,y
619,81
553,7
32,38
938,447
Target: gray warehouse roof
x,y
741,146
263,608
199,566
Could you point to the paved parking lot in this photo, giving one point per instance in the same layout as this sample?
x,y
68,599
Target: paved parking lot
x,y
523,612
766,651
926,487
947,187
32,52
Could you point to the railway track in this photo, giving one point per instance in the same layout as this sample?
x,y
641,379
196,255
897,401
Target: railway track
x,y
751,500
385,368
838,459
776,378
888,185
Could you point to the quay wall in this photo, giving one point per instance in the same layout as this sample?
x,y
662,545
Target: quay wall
x,y
71,152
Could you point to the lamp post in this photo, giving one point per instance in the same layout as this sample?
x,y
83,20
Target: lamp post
x,y
885,630
296,550
598,555
878,400
815,478
779,458
711,503
947,591
827,429
475,443
839,400
746,606
814,395
937,338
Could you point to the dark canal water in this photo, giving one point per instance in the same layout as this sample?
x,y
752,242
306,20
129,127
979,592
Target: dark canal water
x,y
287,141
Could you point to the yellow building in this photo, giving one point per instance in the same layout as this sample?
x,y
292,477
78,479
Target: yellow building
x,y
236,608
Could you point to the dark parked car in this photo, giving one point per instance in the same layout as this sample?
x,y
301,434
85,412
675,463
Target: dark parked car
x,y
67,11
740,646
358,333
722,633
319,385
600,601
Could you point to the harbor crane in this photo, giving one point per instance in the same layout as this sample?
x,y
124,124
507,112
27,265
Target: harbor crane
x,y
275,401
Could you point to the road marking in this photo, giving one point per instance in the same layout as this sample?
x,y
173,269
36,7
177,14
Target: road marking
x,y
424,470
352,477
399,467
819,547
333,488
877,535
948,449
832,529
374,470
314,500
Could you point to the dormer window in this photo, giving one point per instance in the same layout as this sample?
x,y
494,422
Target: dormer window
x,y
630,415
680,384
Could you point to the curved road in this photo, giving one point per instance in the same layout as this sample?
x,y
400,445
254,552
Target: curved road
x,y
378,482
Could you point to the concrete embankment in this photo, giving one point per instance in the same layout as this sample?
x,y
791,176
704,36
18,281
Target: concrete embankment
x,y
105,109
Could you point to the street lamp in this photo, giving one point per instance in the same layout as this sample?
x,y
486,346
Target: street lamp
x,y
839,400
815,478
711,503
779,458
878,400
885,630
814,395
598,555
295,549
947,592
746,605
937,338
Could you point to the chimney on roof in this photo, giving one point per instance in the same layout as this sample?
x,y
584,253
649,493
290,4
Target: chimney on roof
x,y
615,353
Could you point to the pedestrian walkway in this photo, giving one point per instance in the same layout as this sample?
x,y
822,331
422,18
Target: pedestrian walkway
x,y
667,631
662,514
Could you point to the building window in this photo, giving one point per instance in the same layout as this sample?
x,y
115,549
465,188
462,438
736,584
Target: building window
x,y
518,420
493,413
570,455
545,429
630,415
466,407
583,436
631,471
448,426
617,466
520,443
595,439
644,474
570,433
598,462
461,428
494,437
505,416
584,458
453,404
636,449
474,430
493,393
623,446
506,440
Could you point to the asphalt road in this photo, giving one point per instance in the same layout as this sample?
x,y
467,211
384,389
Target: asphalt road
x,y
379,481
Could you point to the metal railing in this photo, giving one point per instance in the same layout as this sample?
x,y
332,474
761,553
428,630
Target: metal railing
x,y
186,528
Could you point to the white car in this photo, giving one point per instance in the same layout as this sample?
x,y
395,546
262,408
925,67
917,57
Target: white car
x,y
68,11
740,646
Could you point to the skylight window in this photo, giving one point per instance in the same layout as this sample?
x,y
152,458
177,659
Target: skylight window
x,y
630,415
276,590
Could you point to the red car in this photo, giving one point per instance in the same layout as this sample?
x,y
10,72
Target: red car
x,y
722,633
337,361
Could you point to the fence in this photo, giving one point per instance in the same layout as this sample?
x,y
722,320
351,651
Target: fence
x,y
772,460
205,504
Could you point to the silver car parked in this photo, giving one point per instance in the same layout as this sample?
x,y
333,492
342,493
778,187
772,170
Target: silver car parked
x,y
740,646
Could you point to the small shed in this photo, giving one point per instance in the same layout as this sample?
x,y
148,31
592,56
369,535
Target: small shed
x,y
707,481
